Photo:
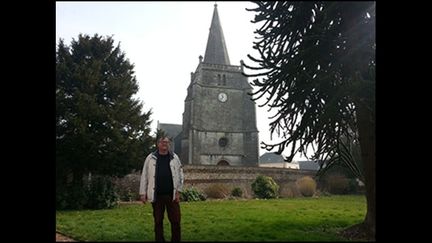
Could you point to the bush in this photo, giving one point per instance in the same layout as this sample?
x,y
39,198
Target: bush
x,y
61,200
289,191
191,195
217,191
96,193
127,188
307,186
265,187
61,195
101,193
337,184
236,192
72,195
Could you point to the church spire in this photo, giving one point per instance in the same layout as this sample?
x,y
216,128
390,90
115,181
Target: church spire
x,y
216,51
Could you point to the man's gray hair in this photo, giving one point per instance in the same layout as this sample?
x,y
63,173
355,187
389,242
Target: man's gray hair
x,y
162,138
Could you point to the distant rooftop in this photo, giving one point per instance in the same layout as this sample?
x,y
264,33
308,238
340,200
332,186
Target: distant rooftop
x,y
271,157
171,130
308,165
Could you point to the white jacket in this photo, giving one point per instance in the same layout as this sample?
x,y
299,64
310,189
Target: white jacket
x,y
148,176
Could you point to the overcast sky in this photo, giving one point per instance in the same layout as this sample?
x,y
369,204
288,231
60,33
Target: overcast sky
x,y
164,40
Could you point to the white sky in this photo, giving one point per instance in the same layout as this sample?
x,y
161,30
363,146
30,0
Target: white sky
x,y
163,40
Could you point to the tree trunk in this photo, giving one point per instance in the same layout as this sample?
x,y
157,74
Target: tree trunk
x,y
366,129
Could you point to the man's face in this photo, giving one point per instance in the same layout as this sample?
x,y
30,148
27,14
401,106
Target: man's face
x,y
164,144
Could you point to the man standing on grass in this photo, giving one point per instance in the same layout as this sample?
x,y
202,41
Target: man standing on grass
x,y
161,183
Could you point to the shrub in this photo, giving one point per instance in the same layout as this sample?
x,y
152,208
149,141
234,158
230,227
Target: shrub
x,y
61,196
101,193
236,192
96,193
289,190
337,184
191,194
129,196
61,200
72,196
307,186
127,188
265,187
352,186
217,191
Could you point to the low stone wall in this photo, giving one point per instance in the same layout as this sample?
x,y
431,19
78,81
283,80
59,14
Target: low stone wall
x,y
202,176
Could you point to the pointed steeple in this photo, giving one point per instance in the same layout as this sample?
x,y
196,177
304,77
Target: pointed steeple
x,y
216,51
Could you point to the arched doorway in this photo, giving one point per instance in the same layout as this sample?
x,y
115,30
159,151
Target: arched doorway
x,y
223,162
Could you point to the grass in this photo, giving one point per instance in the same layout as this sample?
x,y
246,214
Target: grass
x,y
299,219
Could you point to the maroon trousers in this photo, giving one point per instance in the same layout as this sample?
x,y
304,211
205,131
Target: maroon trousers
x,y
173,209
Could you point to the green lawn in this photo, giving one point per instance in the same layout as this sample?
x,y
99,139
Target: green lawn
x,y
300,219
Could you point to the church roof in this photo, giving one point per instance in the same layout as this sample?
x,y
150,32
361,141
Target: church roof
x,y
271,158
216,51
171,130
308,165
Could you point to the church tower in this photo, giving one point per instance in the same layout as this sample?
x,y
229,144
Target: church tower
x,y
219,120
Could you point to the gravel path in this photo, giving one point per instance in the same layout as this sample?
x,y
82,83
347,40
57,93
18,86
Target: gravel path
x,y
63,238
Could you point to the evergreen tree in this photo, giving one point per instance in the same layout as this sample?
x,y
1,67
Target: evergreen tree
x,y
100,128
317,60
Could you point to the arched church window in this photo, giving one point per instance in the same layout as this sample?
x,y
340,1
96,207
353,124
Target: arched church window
x,y
223,162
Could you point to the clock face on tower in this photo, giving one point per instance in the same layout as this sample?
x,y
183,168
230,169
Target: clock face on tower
x,y
222,97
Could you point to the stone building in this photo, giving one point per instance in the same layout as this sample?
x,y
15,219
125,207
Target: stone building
x,y
271,159
219,118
